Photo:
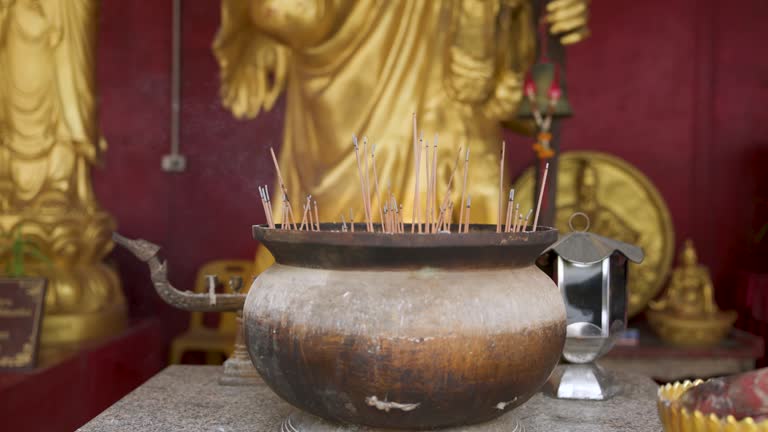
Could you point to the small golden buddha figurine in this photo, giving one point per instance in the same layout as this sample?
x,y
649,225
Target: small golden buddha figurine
x,y
690,291
687,314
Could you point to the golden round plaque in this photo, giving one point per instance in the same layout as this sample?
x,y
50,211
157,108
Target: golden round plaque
x,y
621,204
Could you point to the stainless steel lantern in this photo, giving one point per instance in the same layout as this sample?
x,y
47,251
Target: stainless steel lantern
x,y
591,272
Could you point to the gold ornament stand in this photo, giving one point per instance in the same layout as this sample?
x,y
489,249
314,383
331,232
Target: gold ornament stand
x,y
49,140
84,300
238,368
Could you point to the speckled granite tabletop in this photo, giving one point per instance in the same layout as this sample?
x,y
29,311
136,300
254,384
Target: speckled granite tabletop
x,y
188,398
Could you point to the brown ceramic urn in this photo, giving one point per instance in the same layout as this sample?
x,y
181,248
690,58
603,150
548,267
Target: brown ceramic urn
x,y
404,331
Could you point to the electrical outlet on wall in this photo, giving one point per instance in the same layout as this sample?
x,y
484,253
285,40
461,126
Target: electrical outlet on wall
x,y
174,163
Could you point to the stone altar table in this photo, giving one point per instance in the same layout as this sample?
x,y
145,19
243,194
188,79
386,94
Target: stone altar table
x,y
188,398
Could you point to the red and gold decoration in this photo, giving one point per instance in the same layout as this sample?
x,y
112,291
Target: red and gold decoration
x,y
544,97
21,310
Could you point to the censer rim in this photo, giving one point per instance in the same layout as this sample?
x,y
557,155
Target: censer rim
x,y
478,235
481,247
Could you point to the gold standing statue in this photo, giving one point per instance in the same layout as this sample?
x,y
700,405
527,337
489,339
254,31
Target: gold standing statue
x,y
687,314
49,139
364,66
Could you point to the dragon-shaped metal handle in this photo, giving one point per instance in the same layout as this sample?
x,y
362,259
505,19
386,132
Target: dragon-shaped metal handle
x,y
186,300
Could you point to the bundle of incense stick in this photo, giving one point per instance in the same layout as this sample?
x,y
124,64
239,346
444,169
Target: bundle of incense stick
x,y
437,214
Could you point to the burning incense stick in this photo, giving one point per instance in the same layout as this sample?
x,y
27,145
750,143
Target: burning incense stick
x,y
400,218
463,189
387,218
393,224
362,179
343,223
271,215
391,206
352,220
416,160
416,202
516,219
448,189
376,184
510,204
528,216
310,226
282,186
304,218
264,204
469,207
310,218
433,186
367,198
427,168
441,218
516,226
395,214
266,208
317,217
284,221
440,223
386,222
541,197
501,184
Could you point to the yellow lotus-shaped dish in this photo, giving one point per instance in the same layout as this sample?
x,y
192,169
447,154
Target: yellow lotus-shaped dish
x,y
678,419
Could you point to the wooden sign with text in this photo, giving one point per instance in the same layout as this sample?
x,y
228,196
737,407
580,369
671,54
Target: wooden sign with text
x,y
21,312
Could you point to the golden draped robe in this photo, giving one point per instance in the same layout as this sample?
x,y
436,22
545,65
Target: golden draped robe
x,y
363,68
48,129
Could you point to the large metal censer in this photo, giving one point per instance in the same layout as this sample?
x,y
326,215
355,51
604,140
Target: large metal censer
x,y
404,331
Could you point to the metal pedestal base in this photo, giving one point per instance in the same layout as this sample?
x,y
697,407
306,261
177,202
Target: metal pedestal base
x,y
238,368
581,381
239,371
302,422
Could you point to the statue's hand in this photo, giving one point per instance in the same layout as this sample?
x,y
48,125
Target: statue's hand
x,y
252,74
568,19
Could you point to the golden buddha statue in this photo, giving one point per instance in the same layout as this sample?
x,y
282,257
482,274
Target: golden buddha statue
x,y
690,292
687,314
49,139
363,67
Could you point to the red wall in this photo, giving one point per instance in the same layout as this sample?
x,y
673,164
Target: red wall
x,y
677,88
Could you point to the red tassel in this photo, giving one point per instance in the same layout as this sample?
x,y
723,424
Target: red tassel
x,y
554,89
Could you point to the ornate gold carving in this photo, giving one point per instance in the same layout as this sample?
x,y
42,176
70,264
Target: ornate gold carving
x,y
21,318
20,359
621,204
49,139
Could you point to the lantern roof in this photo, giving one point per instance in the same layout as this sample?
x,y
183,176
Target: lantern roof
x,y
586,247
